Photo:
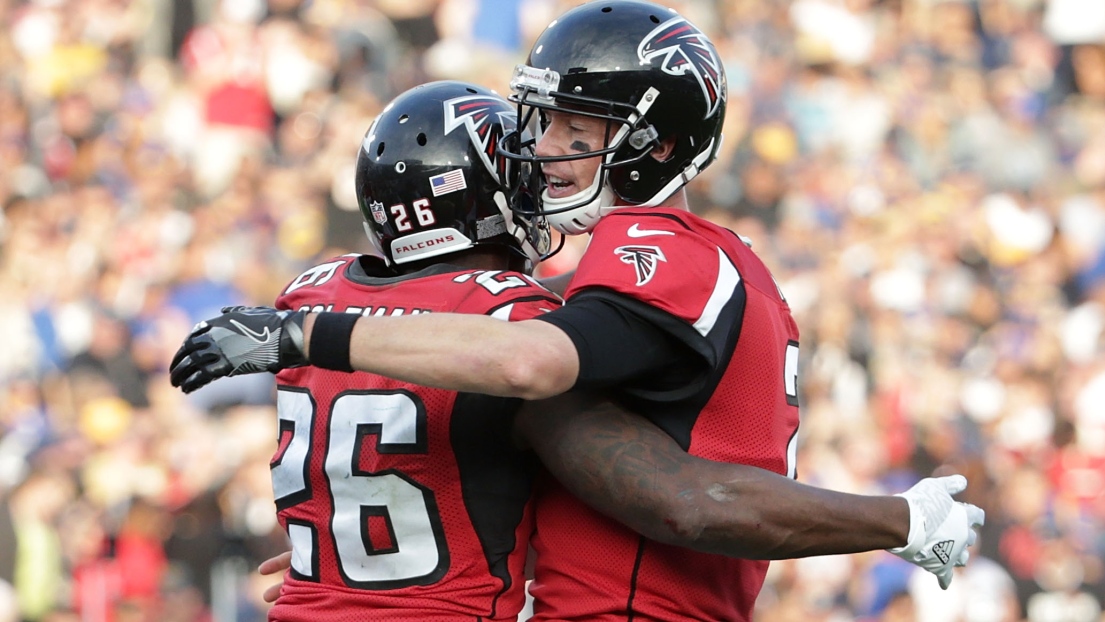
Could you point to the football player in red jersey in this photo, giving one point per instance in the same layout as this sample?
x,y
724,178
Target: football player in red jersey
x,y
407,501
667,314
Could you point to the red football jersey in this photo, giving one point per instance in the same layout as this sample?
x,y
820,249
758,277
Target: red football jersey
x,y
401,502
719,298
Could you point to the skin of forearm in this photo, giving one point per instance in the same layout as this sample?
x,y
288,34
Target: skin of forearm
x,y
464,352
627,468
784,519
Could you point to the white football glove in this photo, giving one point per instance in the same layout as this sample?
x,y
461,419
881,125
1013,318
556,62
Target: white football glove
x,y
940,528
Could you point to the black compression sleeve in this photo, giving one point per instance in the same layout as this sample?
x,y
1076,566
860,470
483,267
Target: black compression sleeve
x,y
615,345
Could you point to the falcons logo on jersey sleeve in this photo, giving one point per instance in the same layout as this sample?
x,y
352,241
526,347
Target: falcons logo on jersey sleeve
x,y
644,260
474,113
682,49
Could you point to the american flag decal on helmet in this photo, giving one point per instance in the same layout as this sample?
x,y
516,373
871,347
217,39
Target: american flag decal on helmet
x,y
682,48
644,260
479,115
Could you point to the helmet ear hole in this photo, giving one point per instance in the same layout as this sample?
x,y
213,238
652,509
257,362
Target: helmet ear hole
x,y
421,139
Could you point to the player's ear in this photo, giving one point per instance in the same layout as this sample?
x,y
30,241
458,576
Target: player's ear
x,y
663,152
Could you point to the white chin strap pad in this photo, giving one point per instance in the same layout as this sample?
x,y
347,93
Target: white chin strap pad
x,y
584,216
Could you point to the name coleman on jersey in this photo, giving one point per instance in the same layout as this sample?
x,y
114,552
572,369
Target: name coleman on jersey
x,y
375,311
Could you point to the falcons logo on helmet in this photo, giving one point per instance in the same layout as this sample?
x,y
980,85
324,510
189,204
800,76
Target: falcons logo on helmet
x,y
683,48
643,259
478,114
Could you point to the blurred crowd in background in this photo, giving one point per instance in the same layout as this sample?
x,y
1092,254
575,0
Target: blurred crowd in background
x,y
926,178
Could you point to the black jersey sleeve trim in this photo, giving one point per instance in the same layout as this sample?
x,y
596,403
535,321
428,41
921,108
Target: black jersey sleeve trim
x,y
622,341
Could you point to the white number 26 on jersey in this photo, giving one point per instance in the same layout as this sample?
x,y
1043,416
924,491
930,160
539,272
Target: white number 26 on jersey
x,y
417,555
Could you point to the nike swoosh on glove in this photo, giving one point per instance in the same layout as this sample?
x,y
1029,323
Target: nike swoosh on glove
x,y
940,528
243,340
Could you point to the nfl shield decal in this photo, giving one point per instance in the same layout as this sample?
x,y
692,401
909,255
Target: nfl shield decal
x,y
378,213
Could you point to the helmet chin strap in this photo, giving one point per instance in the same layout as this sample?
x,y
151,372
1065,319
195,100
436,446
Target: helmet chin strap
x,y
518,231
583,217
590,204
690,172
586,214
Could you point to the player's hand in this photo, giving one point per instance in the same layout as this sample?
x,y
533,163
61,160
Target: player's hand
x,y
940,528
275,565
243,340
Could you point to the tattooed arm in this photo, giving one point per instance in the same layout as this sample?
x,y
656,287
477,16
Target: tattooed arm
x,y
627,468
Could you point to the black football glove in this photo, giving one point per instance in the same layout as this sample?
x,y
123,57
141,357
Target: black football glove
x,y
243,340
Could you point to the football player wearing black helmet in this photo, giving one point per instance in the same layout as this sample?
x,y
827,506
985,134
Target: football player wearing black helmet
x,y
403,501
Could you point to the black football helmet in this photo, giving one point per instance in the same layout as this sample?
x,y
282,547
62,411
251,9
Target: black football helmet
x,y
430,180
651,75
